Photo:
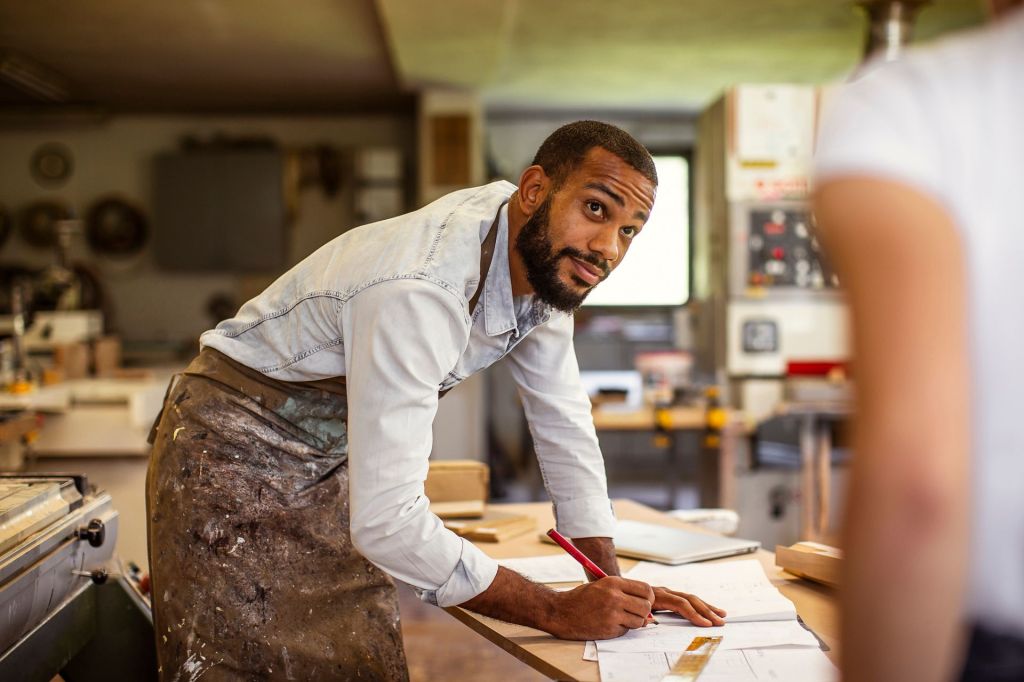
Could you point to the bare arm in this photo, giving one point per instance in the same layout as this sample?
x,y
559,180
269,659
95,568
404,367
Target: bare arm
x,y
906,528
599,610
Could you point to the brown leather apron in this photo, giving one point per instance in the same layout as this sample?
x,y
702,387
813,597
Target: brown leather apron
x,y
254,575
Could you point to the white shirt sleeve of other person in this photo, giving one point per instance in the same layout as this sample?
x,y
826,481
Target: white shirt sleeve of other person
x,y
402,338
948,122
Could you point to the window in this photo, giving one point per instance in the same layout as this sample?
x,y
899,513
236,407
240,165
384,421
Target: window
x,y
656,271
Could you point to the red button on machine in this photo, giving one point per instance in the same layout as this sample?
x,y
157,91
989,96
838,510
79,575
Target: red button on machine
x,y
778,253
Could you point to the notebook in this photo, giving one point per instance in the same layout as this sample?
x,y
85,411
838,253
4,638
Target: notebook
x,y
673,546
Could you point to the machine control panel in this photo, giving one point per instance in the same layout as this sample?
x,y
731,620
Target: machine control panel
x,y
783,252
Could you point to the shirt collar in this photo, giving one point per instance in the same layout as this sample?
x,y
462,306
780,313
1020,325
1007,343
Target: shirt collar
x,y
499,307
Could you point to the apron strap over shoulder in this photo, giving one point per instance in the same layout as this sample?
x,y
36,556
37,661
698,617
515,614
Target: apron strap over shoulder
x,y
486,256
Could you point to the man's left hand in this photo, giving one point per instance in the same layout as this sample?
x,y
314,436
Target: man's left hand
x,y
689,606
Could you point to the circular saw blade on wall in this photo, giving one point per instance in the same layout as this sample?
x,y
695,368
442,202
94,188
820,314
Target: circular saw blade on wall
x,y
37,222
114,227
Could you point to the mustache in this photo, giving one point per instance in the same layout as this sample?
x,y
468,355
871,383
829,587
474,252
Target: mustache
x,y
591,258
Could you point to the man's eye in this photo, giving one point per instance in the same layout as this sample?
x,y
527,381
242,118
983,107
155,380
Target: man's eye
x,y
595,207
629,232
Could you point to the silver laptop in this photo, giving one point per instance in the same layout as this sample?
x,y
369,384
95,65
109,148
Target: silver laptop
x,y
674,546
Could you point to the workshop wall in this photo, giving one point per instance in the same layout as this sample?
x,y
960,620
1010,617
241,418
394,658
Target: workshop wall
x,y
115,157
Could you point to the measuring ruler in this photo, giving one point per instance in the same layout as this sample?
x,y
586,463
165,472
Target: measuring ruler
x,y
692,661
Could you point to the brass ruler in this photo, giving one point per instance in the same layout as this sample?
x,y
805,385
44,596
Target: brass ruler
x,y
692,661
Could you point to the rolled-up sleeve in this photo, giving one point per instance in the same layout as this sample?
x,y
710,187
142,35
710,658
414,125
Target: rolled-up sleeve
x,y
558,411
401,339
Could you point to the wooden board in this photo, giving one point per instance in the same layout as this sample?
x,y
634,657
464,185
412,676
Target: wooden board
x,y
562,660
811,560
493,526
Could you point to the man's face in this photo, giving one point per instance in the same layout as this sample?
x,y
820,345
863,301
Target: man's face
x,y
581,232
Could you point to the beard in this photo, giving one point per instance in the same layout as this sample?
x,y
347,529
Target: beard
x,y
542,263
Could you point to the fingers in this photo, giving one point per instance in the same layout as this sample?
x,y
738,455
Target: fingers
x,y
633,621
687,611
636,588
709,612
637,606
633,597
689,607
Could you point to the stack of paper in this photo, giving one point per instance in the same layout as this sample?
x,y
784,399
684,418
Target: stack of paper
x,y
747,665
762,640
739,587
553,568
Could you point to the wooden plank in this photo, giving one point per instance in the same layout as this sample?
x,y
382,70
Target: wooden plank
x,y
643,419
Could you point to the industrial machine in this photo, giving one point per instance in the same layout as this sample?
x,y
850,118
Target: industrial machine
x,y
765,302
764,295
61,613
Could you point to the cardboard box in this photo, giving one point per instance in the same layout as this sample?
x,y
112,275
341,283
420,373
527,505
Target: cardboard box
x,y
72,359
458,480
106,356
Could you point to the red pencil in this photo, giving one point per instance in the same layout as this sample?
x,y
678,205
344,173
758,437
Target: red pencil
x,y
584,560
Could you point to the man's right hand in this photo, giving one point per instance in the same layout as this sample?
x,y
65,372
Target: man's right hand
x,y
602,609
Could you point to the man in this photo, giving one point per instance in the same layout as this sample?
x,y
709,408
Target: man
x,y
286,482
918,201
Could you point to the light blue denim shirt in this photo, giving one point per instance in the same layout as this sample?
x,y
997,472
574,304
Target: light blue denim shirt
x,y
386,306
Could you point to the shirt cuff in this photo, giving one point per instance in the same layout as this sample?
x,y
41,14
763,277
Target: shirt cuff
x,y
472,575
586,517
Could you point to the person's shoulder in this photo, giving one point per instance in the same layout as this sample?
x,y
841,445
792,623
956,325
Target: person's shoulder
x,y
471,198
956,65
896,117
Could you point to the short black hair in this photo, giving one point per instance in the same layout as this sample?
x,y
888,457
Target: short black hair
x,y
566,148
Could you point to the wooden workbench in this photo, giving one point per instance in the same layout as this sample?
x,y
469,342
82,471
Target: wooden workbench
x,y
643,418
562,660
715,468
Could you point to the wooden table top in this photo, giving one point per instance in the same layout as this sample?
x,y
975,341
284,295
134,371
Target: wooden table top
x,y
642,419
563,660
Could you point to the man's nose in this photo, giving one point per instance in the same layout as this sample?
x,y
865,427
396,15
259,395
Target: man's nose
x,y
605,243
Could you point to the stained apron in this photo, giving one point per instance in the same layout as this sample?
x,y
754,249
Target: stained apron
x,y
254,575
253,571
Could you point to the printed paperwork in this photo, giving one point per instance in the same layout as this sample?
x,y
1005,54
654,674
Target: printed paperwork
x,y
739,587
750,665
555,568
761,640
674,630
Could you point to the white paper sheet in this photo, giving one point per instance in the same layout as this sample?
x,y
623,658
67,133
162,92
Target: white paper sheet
x,y
740,587
641,667
806,665
556,568
751,665
727,666
590,651
674,635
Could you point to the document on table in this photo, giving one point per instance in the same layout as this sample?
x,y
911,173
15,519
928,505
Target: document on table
x,y
739,587
554,568
751,665
761,640
674,634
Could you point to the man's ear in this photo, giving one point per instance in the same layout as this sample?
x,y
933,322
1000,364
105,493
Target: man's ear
x,y
534,185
